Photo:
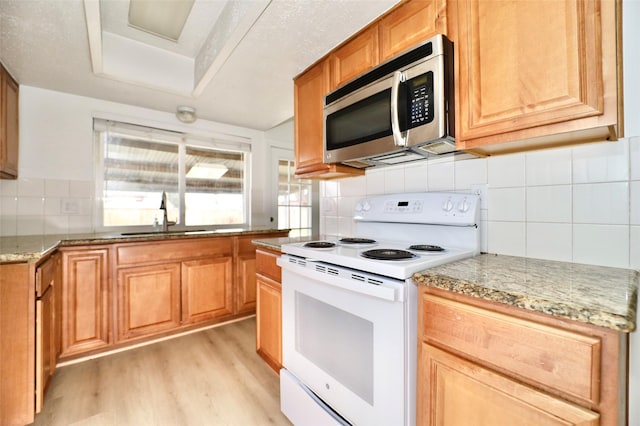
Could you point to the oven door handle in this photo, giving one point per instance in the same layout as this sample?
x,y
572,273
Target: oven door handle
x,y
378,291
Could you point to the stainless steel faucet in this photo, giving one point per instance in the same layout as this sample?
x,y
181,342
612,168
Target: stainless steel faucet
x,y
165,220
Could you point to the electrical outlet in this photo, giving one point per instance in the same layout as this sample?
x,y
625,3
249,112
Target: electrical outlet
x,y
69,206
482,190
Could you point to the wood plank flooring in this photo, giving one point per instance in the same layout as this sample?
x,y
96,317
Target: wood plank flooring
x,y
212,377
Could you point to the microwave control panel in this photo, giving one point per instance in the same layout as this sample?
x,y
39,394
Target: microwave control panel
x,y
420,108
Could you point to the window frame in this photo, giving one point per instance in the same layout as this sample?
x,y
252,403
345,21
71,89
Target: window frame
x,y
282,154
182,140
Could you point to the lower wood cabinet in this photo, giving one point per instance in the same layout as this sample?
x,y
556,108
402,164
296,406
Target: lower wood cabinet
x,y
121,293
48,320
207,289
269,322
463,393
17,345
269,308
165,286
148,300
85,300
245,275
488,364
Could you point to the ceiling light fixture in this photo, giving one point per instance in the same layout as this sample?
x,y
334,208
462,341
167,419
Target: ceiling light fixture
x,y
161,18
186,114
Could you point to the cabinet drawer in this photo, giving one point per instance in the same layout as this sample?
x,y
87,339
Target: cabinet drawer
x,y
155,252
266,264
45,276
539,354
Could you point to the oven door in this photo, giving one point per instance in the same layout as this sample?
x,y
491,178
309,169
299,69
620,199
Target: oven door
x,y
347,344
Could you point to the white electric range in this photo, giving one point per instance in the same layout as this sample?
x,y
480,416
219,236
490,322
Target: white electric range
x,y
349,309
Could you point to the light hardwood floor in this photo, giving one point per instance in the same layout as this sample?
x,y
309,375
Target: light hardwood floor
x,y
212,377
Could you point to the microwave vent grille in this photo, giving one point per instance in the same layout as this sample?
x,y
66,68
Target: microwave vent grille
x,y
357,164
398,157
437,148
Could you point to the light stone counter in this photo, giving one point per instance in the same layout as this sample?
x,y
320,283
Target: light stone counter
x,y
276,243
31,248
597,295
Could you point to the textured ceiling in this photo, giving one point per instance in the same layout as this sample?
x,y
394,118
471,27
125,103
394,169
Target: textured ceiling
x,y
44,44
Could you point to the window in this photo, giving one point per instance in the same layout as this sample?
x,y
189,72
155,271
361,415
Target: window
x,y
205,180
294,201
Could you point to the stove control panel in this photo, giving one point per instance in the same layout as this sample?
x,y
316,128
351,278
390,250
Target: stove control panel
x,y
421,207
411,206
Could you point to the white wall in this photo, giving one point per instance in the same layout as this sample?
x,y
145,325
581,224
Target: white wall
x,y
55,192
579,204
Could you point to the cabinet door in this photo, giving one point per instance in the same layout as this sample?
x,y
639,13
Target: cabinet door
x,y
149,300
246,283
245,275
45,345
17,343
537,68
410,24
355,57
309,91
269,321
456,392
85,301
47,324
8,126
207,289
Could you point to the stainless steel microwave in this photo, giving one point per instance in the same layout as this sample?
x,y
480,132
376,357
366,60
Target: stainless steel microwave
x,y
400,111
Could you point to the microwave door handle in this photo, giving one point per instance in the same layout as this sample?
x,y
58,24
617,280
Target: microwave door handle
x,y
398,139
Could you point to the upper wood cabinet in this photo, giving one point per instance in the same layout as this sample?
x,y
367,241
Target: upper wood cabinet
x,y
406,25
411,23
9,93
354,57
309,90
533,74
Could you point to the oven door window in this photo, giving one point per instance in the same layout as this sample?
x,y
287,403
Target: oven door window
x,y
363,121
349,359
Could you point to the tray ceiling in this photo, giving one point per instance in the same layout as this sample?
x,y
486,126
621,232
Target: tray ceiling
x,y
234,61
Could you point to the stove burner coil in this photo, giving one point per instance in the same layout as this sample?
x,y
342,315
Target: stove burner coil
x,y
357,241
388,254
319,244
426,247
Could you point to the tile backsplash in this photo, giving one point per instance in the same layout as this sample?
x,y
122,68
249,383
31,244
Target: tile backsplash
x,y
579,204
33,206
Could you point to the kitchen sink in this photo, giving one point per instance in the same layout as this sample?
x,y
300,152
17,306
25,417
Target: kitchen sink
x,y
186,232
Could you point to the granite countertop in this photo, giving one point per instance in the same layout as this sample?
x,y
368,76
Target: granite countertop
x,y
597,295
31,248
276,243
